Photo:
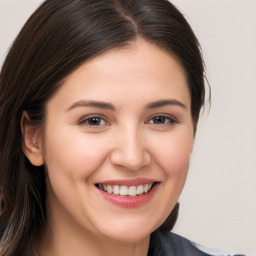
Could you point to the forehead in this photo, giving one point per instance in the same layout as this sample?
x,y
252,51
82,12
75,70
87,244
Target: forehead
x,y
140,69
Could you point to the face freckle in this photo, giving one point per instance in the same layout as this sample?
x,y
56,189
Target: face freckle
x,y
123,117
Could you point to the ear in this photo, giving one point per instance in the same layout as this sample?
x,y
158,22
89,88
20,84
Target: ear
x,y
32,141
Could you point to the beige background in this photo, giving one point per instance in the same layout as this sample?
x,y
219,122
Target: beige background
x,y
218,204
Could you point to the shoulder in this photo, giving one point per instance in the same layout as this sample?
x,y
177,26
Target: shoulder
x,y
166,243
214,252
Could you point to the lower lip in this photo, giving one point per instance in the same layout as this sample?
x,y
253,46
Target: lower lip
x,y
130,201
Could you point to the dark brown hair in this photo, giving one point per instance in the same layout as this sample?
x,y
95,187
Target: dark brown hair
x,y
59,37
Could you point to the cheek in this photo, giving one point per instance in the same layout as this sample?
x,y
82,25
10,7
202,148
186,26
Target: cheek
x,y
71,159
171,157
173,154
74,153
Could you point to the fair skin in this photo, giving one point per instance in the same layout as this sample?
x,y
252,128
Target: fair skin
x,y
141,132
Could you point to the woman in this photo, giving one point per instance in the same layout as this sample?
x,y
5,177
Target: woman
x,y
99,106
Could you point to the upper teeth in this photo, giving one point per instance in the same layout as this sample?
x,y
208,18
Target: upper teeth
x,y
126,190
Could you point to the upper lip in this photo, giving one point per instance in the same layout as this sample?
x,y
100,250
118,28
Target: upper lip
x,y
129,182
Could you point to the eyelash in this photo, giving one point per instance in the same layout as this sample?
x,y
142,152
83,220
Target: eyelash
x,y
87,119
163,117
172,120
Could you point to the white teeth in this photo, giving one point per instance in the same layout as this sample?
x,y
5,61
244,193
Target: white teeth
x,y
140,189
123,191
126,190
146,188
109,189
116,190
132,191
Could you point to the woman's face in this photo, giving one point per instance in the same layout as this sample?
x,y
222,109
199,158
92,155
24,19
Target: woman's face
x,y
121,122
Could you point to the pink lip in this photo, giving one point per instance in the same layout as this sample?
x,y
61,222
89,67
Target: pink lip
x,y
133,182
129,201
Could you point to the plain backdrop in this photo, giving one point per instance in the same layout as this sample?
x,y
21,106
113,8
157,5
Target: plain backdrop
x,y
218,204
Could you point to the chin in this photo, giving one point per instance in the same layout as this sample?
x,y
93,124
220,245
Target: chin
x,y
130,232
129,237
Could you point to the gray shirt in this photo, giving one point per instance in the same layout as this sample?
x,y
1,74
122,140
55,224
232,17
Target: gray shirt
x,y
164,243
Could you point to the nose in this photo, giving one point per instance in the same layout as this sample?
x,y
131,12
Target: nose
x,y
130,150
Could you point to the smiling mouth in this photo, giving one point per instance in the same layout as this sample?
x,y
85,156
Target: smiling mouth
x,y
121,190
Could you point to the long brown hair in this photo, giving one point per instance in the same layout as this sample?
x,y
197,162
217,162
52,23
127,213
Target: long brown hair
x,y
57,39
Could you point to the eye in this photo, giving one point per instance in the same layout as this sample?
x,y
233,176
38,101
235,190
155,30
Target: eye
x,y
162,120
95,121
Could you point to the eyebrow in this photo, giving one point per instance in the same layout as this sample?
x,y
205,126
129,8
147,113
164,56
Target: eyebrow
x,y
110,106
166,102
96,104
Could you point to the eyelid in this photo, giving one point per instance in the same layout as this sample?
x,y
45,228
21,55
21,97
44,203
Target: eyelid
x,y
173,120
83,120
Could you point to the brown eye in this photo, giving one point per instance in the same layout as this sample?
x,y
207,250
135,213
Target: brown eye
x,y
162,120
159,120
93,121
